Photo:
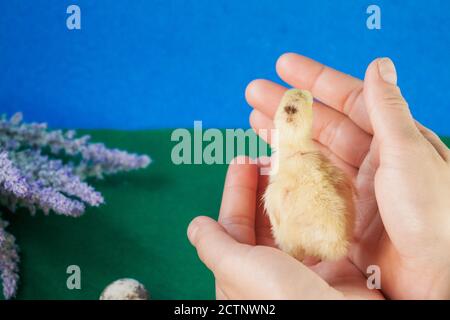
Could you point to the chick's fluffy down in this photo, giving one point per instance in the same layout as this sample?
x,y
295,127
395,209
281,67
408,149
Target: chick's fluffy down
x,y
309,201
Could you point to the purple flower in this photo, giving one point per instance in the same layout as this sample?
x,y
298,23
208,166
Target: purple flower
x,y
47,199
11,181
97,160
33,176
56,175
9,260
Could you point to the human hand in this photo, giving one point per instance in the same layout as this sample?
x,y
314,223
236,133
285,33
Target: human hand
x,y
401,170
241,252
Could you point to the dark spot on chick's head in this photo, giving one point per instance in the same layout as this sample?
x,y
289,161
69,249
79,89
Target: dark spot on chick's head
x,y
290,110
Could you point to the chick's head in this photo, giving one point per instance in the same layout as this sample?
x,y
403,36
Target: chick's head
x,y
294,115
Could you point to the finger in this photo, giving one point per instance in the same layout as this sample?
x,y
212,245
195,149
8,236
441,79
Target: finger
x,y
435,141
243,271
237,212
214,245
349,170
330,127
265,96
388,111
335,89
259,121
341,135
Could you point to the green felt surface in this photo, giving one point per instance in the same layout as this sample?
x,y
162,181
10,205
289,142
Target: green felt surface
x,y
139,233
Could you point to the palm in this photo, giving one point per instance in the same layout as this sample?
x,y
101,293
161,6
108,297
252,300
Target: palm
x,y
243,254
343,133
373,244
343,275
243,216
369,230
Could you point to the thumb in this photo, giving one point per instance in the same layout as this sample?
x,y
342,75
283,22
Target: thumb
x,y
247,272
388,111
214,245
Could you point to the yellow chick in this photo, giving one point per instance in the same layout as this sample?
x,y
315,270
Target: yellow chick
x,y
309,201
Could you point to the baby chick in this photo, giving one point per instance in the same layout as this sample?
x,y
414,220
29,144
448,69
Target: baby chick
x,y
309,201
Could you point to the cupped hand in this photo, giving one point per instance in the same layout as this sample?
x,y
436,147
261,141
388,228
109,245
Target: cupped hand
x,y
240,251
400,169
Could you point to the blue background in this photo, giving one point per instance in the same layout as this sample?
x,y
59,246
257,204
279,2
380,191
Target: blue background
x,y
158,64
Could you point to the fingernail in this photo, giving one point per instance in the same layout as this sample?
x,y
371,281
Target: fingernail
x,y
387,70
192,229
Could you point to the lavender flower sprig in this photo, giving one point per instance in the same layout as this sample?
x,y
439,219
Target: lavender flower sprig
x,y
9,260
55,174
96,158
11,181
33,175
